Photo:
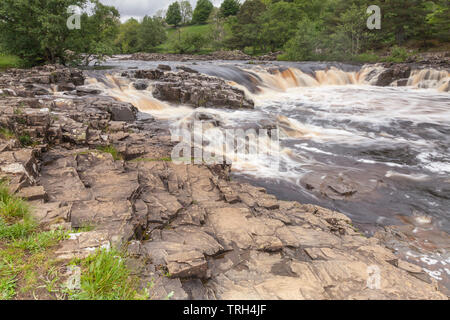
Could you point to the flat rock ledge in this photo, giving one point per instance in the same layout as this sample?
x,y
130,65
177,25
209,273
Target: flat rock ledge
x,y
188,229
191,88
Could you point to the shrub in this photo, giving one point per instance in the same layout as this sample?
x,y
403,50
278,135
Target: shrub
x,y
398,54
190,43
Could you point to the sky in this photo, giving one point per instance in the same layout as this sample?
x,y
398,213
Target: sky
x,y
140,8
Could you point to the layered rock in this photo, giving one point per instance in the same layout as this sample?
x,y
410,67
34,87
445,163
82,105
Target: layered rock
x,y
193,89
188,229
218,55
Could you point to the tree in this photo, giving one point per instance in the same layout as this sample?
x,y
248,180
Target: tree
x,y
246,28
127,40
438,19
229,8
37,31
279,23
217,30
306,42
404,19
151,33
186,12
173,15
354,26
95,39
202,11
32,30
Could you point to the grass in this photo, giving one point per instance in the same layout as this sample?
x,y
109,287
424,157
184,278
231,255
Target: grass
x,y
40,241
25,140
25,251
28,269
9,61
7,134
111,150
106,277
11,206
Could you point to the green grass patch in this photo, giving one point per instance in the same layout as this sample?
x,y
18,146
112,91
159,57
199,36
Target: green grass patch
x,y
106,277
10,61
18,230
26,140
111,150
85,228
8,280
25,251
11,206
40,241
7,134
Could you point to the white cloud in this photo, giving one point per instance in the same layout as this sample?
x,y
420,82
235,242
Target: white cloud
x,y
140,8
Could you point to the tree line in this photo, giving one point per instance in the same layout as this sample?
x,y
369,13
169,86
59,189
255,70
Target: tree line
x,y
36,30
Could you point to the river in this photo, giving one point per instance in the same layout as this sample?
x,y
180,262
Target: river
x,y
381,155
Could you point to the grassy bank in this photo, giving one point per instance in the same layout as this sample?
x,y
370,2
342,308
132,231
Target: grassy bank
x,y
174,34
9,61
29,269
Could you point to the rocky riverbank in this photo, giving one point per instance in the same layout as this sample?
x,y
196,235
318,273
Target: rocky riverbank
x,y
218,55
188,229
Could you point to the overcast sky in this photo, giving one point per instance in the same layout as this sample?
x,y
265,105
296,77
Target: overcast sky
x,y
140,8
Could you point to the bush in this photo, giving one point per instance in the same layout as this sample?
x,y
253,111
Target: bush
x,y
304,44
190,43
398,54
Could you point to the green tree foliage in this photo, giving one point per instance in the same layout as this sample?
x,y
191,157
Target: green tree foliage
x,y
127,40
352,30
202,11
279,23
218,30
145,36
37,30
95,39
190,43
438,19
186,12
246,27
173,15
151,33
306,42
229,8
404,19
34,30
